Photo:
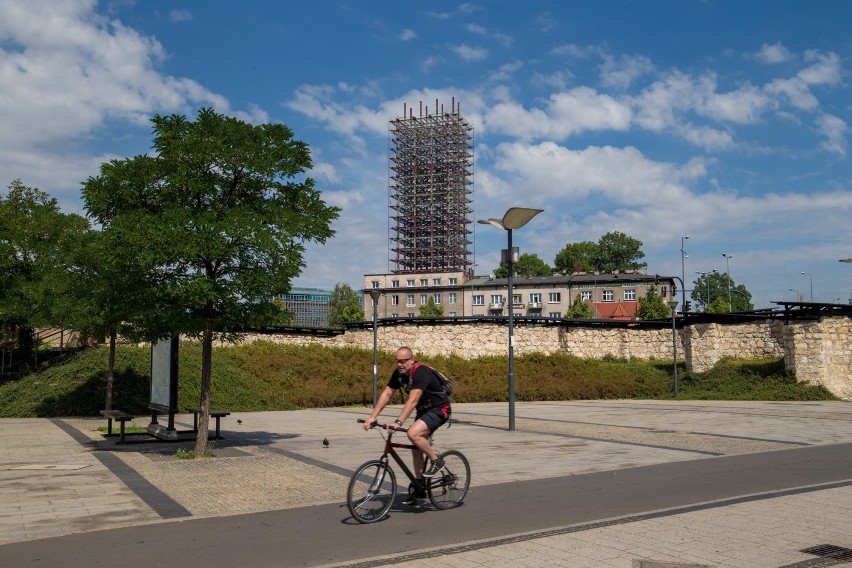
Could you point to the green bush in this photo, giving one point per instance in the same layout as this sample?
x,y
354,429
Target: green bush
x,y
267,376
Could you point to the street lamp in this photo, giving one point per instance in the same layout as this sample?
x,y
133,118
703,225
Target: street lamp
x,y
707,303
728,258
683,270
375,294
672,305
845,260
515,218
809,275
798,299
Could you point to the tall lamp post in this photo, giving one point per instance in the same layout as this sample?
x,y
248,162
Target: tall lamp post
x,y
809,275
728,258
672,305
375,295
683,271
515,218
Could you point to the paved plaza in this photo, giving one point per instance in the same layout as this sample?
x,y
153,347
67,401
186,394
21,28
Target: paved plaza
x,y
61,478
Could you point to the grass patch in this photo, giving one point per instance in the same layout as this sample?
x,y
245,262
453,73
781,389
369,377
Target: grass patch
x,y
266,376
128,429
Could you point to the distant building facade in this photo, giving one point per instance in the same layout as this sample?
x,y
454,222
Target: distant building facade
x,y
611,296
309,306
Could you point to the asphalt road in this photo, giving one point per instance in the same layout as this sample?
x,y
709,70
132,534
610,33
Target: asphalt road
x,y
319,535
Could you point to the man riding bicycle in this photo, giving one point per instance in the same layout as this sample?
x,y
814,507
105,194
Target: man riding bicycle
x,y
425,394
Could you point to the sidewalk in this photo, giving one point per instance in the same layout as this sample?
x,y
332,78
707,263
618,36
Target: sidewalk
x,y
62,477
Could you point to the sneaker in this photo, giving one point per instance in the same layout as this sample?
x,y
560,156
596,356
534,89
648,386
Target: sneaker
x,y
434,468
412,500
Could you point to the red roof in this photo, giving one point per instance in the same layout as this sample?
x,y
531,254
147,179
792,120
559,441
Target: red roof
x,y
615,310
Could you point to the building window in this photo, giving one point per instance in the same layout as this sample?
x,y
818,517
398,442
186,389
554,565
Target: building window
x,y
437,298
395,284
410,300
554,314
554,297
410,283
535,298
394,300
496,299
478,300
375,284
664,290
608,296
411,314
452,297
452,314
586,295
454,281
424,299
630,294
436,282
424,281
394,315
517,299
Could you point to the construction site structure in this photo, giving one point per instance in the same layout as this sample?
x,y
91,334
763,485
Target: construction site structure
x,y
430,191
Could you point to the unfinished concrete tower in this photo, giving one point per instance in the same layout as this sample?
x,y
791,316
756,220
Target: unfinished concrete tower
x,y
430,191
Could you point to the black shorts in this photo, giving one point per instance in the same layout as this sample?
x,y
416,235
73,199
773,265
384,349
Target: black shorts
x,y
435,417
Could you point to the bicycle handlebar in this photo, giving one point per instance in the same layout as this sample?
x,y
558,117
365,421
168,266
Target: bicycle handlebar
x,y
384,426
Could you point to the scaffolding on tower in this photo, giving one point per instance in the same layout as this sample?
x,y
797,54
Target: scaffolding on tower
x,y
430,191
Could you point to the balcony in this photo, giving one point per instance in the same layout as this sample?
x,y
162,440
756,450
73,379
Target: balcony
x,y
534,306
496,307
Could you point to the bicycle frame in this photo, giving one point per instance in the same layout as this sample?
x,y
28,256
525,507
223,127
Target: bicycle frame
x,y
390,450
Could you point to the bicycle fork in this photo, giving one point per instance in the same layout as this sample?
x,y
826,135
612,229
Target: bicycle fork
x,y
379,479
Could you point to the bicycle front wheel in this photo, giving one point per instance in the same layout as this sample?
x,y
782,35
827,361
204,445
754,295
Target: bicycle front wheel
x,y
448,488
371,492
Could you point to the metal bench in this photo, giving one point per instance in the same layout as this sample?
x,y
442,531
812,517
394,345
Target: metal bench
x,y
217,414
118,416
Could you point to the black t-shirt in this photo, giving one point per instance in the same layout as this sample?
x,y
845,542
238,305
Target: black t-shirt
x,y
424,379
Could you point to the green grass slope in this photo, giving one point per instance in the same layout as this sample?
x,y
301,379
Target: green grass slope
x,y
266,376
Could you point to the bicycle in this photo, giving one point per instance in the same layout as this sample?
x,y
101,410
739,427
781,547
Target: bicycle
x,y
372,488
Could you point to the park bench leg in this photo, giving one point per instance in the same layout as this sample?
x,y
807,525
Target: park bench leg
x,y
109,426
121,437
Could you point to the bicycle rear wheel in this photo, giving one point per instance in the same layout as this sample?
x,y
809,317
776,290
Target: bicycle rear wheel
x,y
449,487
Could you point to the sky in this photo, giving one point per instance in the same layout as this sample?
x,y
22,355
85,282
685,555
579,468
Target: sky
x,y
724,121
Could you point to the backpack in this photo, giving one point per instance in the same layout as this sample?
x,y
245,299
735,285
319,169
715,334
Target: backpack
x,y
446,384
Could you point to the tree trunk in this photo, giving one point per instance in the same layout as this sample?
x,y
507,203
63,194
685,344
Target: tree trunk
x,y
206,376
111,368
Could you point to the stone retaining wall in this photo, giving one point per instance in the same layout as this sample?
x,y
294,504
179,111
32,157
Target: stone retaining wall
x,y
819,353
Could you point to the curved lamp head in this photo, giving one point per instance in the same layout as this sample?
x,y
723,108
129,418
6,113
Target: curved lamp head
x,y
515,218
375,294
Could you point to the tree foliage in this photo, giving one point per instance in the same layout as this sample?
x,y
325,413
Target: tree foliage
x,y
431,309
653,306
216,219
580,309
343,306
615,251
528,265
711,289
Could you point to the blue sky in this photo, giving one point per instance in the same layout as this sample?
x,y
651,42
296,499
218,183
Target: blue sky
x,y
727,121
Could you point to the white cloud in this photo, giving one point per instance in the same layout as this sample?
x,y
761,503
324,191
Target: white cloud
x,y
180,16
621,72
475,29
407,35
826,69
468,53
775,53
834,130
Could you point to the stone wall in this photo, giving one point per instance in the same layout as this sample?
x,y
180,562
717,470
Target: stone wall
x,y
818,352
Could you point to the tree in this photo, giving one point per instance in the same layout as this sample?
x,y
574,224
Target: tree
x,y
528,265
712,286
580,309
35,239
615,251
620,252
431,309
577,257
653,306
217,218
344,306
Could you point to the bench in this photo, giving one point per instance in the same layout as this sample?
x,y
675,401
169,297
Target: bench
x,y
217,414
118,416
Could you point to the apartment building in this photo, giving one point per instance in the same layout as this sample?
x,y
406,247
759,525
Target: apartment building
x,y
611,296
